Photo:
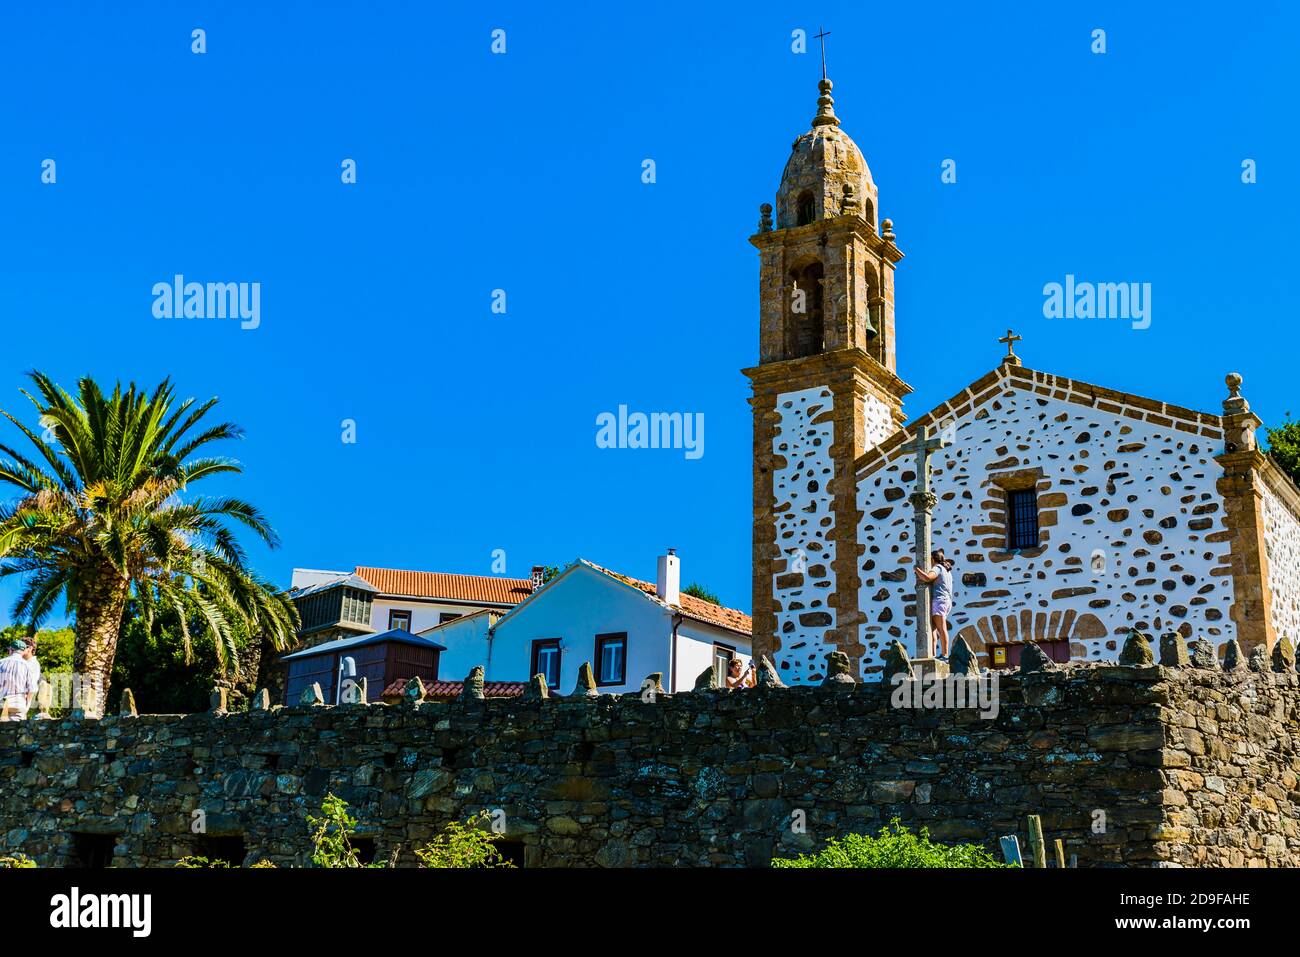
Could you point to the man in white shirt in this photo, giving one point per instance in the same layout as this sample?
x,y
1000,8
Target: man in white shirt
x,y
16,686
34,666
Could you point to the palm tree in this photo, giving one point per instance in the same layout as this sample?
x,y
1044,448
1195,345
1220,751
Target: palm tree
x,y
101,518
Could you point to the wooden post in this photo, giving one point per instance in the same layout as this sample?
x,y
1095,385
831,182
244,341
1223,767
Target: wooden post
x,y
1060,854
1036,841
1011,850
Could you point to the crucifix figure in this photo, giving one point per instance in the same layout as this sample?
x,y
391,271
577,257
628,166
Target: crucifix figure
x,y
1011,358
923,501
822,37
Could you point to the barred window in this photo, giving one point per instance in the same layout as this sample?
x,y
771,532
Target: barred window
x,y
1022,518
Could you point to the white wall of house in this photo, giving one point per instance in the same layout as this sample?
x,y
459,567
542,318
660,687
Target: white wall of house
x,y
695,643
425,613
466,641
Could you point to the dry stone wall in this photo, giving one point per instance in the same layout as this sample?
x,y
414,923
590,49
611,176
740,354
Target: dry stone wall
x,y
1135,766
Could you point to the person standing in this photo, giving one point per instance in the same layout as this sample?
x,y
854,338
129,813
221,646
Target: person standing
x,y
16,687
35,666
939,576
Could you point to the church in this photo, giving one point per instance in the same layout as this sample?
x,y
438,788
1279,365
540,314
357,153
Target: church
x,y
1074,513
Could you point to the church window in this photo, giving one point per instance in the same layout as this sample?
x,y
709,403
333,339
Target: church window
x,y
611,659
806,209
1022,518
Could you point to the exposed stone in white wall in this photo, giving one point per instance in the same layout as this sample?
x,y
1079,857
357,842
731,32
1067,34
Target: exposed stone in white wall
x,y
879,420
1131,523
804,523
1282,549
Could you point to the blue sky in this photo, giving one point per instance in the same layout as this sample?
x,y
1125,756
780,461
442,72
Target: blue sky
x,y
476,431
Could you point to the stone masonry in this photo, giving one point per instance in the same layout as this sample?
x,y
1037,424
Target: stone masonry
x,y
1187,766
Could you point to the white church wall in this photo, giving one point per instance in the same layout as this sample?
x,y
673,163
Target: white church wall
x,y
878,419
1282,549
804,524
1134,497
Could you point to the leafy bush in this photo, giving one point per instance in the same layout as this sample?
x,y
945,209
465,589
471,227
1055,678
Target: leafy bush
x,y
16,860
895,846
463,845
1284,447
196,863
331,833
702,593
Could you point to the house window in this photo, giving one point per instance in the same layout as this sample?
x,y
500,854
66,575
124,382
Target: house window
x,y
447,616
722,655
1022,518
546,660
399,619
611,659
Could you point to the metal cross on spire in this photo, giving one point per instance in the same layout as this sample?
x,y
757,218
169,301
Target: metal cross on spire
x,y
1011,339
822,37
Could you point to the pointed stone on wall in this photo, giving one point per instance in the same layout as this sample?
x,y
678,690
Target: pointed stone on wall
x,y
85,702
1173,650
472,687
768,676
1283,654
961,660
1232,656
217,701
1258,659
1203,654
654,683
413,691
537,689
708,678
311,695
355,691
896,662
1136,652
261,701
1034,659
127,707
838,671
586,686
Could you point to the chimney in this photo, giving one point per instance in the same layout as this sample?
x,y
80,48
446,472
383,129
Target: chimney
x,y
539,573
668,584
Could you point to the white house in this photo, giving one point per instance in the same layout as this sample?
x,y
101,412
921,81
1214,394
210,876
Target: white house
x,y
626,628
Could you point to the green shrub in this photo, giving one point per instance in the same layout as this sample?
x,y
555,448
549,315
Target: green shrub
x,y
16,860
895,846
195,862
463,845
330,835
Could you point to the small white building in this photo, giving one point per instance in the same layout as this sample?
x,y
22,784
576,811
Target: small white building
x,y
626,628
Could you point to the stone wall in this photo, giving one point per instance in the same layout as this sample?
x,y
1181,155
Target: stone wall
x,y
1182,766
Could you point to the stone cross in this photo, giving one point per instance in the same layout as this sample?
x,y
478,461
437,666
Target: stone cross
x,y
923,501
1011,339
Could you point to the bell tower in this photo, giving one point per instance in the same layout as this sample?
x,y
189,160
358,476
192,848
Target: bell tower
x,y
824,392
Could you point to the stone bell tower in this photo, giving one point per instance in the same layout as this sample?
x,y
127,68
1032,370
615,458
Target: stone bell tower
x,y
825,391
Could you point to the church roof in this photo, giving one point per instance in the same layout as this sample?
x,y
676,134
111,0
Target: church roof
x,y
1009,375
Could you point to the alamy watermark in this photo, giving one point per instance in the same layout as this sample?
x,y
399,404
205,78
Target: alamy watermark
x,y
935,691
179,299
1099,300
651,430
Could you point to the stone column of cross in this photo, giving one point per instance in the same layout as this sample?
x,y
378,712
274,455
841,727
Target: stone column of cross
x,y
923,501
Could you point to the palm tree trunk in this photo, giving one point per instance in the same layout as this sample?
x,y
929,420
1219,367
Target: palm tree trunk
x,y
99,623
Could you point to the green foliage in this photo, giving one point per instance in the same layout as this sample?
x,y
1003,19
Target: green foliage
x,y
53,646
894,847
1284,447
16,860
549,572
470,844
331,836
702,593
195,862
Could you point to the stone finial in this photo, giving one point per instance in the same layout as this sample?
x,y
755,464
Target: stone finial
x,y
586,686
127,708
312,695
765,218
261,701
537,689
839,672
1283,656
961,660
896,662
217,701
1232,656
413,691
707,679
1235,403
44,698
1136,652
1034,659
1173,650
825,105
1203,654
887,230
849,204
85,701
654,683
471,688
767,675
1258,661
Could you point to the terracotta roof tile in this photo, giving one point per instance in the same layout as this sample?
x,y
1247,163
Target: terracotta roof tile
x,y
488,589
445,690
692,607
